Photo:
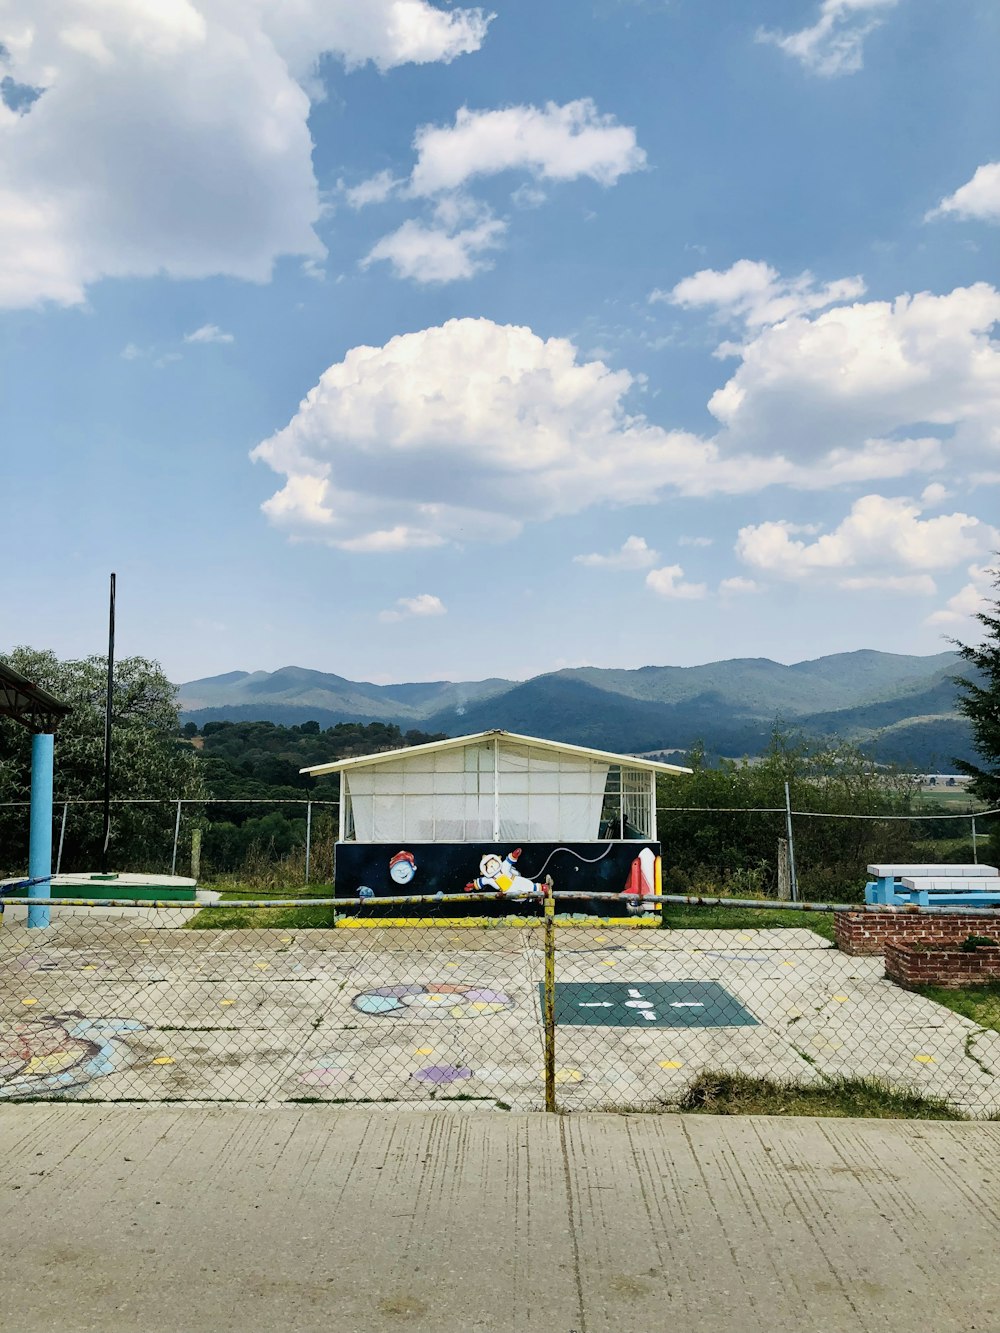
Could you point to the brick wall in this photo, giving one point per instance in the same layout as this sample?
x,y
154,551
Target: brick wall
x,y
911,967
869,932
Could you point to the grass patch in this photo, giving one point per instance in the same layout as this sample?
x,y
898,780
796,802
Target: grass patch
x,y
868,1098
980,1003
237,891
745,918
265,918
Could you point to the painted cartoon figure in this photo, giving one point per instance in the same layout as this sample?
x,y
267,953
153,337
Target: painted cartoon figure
x,y
402,867
503,877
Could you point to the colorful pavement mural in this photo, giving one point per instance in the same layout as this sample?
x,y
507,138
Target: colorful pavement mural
x,y
59,1052
432,1001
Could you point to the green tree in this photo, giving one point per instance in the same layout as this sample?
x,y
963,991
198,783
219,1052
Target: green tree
x,y
148,761
979,700
718,848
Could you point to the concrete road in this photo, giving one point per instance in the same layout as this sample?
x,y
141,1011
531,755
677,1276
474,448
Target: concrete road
x,y
146,1219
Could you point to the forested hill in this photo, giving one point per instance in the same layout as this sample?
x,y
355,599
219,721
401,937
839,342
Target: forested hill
x,y
899,707
262,759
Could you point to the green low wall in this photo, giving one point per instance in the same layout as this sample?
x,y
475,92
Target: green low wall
x,y
99,892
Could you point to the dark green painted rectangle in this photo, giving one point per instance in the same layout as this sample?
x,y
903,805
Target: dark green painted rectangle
x,y
652,1004
98,891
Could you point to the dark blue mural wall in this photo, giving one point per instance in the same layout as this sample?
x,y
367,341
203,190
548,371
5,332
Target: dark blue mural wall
x,y
516,873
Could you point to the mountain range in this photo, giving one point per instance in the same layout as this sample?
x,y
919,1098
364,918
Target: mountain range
x,y
901,708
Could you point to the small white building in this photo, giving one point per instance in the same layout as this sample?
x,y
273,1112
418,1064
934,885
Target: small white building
x,y
551,807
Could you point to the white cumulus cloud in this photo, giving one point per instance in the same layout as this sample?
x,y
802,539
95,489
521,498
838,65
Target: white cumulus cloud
x,y
870,378
557,143
173,137
756,293
550,143
884,537
669,582
435,435
971,599
632,554
375,190
737,586
424,604
978,198
465,431
834,44
209,333
437,253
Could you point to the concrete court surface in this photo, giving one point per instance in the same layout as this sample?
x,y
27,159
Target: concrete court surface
x,y
145,1219
115,1009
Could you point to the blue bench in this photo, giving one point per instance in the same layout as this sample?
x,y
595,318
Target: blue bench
x,y
902,885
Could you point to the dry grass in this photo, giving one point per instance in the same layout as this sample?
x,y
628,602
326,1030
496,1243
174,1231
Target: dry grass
x,y
715,1093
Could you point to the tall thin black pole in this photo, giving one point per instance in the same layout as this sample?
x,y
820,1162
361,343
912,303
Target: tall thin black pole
x,y
107,731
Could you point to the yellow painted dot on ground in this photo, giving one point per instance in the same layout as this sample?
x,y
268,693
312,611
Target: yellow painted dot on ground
x,y
89,967
145,941
223,1002
163,1060
924,1059
29,999
286,939
841,999
671,1064
262,966
425,1050
457,1011
787,962
609,962
451,965
568,1076
744,937
600,939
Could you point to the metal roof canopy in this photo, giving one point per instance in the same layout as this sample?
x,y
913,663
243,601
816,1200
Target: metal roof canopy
x,y
28,704
458,742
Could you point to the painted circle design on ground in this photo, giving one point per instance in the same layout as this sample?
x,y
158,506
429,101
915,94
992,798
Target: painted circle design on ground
x,y
442,1074
439,1000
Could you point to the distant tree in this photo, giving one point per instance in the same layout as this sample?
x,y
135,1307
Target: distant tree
x,y
148,760
979,700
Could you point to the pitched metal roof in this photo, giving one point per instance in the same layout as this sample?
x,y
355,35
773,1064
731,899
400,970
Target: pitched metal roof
x,y
28,703
458,742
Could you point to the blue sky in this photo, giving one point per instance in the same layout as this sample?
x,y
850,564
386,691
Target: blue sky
x,y
414,341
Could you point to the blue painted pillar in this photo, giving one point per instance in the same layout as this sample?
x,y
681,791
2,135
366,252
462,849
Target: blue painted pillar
x,y
40,844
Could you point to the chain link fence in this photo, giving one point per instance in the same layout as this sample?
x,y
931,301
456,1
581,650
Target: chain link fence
x,y
754,852
160,1002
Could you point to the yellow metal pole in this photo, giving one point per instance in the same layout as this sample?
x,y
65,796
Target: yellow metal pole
x,y
550,1002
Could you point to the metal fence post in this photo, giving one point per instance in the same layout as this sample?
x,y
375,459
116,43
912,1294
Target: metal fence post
x,y
309,828
793,878
62,835
177,834
550,1002
975,849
